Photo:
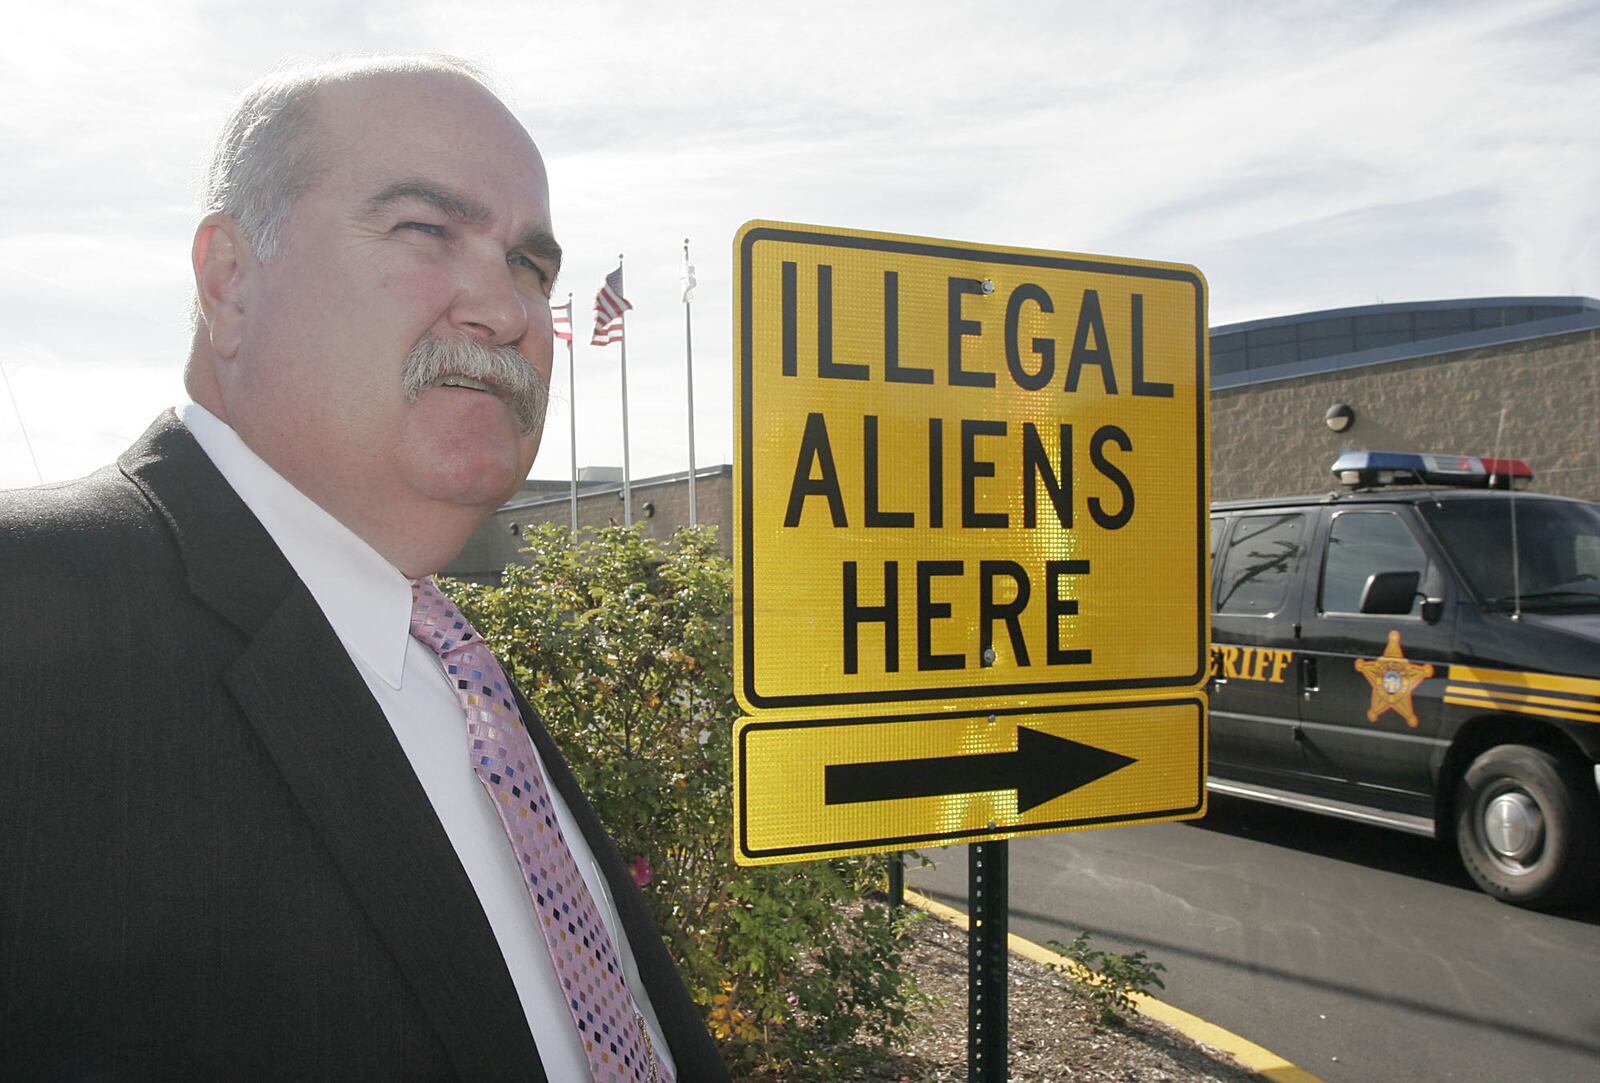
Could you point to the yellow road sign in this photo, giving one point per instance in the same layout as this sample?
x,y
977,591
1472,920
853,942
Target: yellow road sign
x,y
859,785
966,475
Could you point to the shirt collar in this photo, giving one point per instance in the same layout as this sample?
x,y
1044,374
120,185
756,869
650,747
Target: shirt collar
x,y
366,599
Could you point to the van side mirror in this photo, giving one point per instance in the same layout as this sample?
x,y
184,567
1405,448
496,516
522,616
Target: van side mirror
x,y
1390,593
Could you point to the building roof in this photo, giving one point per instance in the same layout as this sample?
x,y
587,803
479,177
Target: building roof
x,y
538,491
1341,338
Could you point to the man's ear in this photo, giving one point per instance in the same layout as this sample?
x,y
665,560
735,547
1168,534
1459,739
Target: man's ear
x,y
222,258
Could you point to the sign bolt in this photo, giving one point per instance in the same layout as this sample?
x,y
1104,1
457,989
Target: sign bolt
x,y
988,285
991,719
989,656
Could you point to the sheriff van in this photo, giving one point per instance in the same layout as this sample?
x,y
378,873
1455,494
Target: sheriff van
x,y
1420,650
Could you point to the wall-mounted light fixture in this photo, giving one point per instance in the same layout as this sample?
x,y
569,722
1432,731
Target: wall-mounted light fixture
x,y
1339,417
514,531
648,509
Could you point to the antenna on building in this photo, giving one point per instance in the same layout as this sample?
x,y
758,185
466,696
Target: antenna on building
x,y
28,443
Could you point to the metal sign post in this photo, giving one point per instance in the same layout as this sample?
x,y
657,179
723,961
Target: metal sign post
x,y
987,927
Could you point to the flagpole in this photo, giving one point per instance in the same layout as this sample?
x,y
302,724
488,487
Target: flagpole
x,y
627,488
688,364
572,409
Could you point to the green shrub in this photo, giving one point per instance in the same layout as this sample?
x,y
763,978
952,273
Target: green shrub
x,y
1107,980
624,647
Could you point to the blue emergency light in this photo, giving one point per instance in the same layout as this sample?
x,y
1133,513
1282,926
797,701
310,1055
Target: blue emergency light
x,y
1379,469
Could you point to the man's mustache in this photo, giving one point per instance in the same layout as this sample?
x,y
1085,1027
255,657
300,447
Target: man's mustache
x,y
518,382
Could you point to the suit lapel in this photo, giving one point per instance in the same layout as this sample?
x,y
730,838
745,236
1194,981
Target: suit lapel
x,y
353,780
295,684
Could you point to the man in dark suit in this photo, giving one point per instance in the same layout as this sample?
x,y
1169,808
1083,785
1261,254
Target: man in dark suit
x,y
239,832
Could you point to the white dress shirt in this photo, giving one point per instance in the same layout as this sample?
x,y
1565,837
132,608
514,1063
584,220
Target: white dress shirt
x,y
368,602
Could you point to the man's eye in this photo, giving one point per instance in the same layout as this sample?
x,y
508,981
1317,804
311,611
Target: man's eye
x,y
517,259
423,227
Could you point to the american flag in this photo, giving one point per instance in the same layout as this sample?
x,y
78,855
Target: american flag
x,y
609,305
561,321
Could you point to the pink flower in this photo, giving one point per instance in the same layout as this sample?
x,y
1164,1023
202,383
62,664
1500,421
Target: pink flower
x,y
640,869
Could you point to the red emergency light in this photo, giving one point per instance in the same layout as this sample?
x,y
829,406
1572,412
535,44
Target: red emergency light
x,y
1508,473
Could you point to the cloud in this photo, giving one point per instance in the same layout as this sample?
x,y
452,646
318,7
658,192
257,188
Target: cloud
x,y
1304,155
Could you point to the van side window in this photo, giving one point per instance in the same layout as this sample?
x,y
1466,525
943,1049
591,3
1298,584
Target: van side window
x,y
1261,556
1585,555
1361,543
1217,523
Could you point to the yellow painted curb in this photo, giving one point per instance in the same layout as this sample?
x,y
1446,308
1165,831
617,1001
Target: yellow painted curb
x,y
1263,1062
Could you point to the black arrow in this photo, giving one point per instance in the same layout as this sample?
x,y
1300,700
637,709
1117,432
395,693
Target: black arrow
x,y
1041,769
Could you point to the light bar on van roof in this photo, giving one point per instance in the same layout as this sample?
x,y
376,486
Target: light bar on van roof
x,y
1377,469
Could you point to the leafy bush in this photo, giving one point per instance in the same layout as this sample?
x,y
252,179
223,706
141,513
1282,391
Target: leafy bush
x,y
1107,980
625,649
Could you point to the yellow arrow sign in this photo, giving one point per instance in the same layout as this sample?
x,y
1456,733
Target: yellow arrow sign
x,y
863,785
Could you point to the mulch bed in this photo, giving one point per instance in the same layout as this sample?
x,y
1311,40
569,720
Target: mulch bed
x,y
1051,1036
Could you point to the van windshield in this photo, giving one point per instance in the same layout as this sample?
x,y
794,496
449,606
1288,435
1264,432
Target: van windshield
x,y
1558,551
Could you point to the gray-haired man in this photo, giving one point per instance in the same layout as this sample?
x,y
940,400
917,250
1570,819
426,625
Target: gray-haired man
x,y
240,831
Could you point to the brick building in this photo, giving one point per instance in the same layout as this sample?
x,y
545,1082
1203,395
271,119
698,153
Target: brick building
x,y
660,506
1520,375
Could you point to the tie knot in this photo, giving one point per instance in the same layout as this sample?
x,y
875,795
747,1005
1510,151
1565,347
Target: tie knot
x,y
435,619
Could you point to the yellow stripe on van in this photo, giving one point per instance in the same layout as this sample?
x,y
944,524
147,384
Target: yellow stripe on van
x,y
1533,682
1471,697
1502,696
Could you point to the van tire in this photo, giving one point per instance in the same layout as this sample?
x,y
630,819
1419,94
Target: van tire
x,y
1528,827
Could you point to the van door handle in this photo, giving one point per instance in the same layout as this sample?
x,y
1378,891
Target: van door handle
x,y
1308,675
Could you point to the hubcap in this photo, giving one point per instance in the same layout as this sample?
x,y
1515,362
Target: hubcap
x,y
1513,826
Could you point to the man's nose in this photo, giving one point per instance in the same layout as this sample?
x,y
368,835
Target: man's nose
x,y
488,305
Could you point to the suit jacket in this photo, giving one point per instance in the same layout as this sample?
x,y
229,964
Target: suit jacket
x,y
215,859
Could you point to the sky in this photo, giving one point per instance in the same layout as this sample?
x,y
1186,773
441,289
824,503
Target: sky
x,y
1302,155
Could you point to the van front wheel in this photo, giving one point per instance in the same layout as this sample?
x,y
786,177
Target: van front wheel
x,y
1528,827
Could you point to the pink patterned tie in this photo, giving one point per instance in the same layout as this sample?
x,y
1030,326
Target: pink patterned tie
x,y
586,962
